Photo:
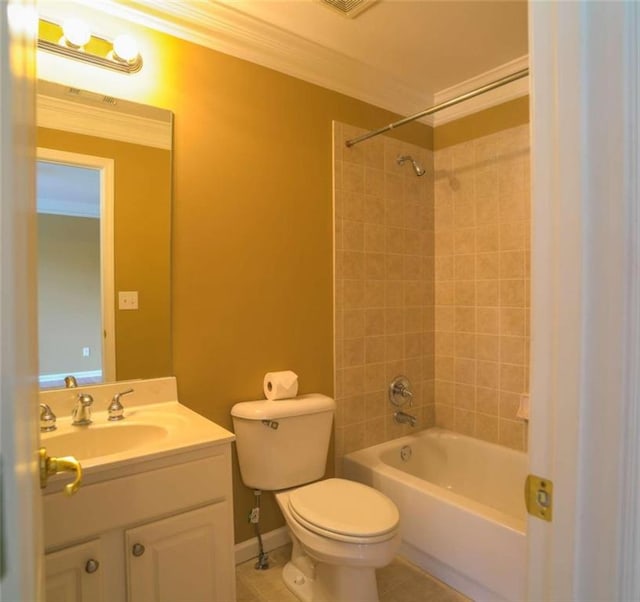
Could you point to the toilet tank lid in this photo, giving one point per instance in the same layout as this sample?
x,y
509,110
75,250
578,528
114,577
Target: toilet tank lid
x,y
266,409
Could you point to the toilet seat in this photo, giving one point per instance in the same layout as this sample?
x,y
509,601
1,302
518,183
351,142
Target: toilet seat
x,y
344,511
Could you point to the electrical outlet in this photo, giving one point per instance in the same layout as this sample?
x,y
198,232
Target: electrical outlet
x,y
86,352
127,299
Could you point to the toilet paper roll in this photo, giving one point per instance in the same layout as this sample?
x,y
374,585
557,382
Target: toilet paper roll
x,y
280,385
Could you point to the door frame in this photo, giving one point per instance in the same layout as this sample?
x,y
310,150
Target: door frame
x,y
21,539
585,418
107,244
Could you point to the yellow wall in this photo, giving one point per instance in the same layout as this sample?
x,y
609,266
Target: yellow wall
x,y
252,222
142,234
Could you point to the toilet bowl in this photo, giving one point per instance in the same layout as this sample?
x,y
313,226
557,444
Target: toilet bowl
x,y
341,532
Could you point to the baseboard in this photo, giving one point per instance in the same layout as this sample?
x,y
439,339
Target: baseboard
x,y
246,550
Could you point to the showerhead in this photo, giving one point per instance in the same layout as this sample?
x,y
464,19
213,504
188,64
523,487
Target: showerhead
x,y
416,166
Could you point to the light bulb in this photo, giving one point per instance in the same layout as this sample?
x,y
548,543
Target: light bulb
x,y
76,32
125,48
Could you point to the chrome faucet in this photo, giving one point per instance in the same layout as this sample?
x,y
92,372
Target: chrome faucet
x,y
403,418
47,419
116,409
81,414
70,382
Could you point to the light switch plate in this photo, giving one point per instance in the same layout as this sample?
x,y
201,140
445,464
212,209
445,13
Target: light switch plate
x,y
127,299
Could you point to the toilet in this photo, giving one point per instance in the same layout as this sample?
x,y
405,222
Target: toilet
x,y
341,530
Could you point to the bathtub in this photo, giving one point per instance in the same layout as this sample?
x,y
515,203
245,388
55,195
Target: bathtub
x,y
461,502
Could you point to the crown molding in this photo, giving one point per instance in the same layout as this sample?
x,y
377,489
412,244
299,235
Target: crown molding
x,y
227,30
487,100
70,116
224,29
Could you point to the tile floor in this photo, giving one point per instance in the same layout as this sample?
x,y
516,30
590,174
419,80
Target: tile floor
x,y
399,582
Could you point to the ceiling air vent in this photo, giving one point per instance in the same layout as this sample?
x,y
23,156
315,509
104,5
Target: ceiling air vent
x,y
349,8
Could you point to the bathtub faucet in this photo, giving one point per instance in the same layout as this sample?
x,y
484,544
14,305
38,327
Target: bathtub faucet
x,y
403,418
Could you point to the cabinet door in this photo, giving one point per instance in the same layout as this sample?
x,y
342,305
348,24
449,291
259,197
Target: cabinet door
x,y
74,574
187,557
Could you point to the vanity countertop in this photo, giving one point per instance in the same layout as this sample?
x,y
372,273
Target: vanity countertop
x,y
156,428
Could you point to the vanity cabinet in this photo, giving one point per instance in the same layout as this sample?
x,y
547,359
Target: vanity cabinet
x,y
158,531
177,557
73,574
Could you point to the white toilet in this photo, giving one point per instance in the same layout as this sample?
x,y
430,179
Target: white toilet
x,y
341,530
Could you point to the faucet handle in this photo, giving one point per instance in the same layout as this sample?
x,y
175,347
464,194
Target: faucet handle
x,y
81,414
116,409
400,391
85,399
47,419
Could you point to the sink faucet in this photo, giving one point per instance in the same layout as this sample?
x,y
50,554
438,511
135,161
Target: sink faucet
x,y
81,414
403,418
116,410
47,419
70,382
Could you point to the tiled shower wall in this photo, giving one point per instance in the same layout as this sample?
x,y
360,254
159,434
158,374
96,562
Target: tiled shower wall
x,y
384,287
482,282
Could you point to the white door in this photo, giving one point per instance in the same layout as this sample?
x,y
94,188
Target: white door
x,y
21,543
585,415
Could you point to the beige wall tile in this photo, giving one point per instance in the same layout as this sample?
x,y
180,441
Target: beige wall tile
x,y
465,319
374,323
374,349
488,401
487,428
487,374
353,350
464,422
487,293
465,371
488,320
512,293
465,397
487,238
465,345
488,347
433,283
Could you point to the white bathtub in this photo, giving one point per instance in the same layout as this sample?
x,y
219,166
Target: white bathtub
x,y
461,502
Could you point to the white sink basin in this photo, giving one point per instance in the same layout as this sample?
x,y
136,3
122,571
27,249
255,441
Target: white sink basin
x,y
103,440
148,431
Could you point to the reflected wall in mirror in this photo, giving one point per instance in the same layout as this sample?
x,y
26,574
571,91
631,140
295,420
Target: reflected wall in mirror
x,y
122,248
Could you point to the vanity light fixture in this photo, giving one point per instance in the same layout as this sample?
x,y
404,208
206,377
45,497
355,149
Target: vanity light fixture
x,y
74,40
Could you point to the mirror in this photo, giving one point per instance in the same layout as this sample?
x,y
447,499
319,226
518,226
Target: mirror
x,y
104,237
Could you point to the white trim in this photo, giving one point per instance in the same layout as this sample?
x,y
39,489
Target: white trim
x,y
224,29
50,378
21,531
511,91
79,118
246,550
583,280
630,503
107,268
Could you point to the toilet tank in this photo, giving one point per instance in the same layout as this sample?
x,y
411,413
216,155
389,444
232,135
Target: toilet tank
x,y
283,443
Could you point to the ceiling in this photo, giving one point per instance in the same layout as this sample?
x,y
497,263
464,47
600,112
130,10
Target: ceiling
x,y
401,55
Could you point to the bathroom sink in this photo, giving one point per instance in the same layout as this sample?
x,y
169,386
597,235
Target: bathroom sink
x,y
96,441
155,426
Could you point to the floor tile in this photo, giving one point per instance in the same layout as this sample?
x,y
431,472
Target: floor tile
x,y
399,582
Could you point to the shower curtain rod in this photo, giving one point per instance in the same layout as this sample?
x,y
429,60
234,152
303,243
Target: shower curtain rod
x,y
443,105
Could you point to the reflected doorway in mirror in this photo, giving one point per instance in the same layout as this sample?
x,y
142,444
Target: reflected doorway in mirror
x,y
76,332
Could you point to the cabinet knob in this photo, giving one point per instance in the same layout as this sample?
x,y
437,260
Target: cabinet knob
x,y
91,566
137,549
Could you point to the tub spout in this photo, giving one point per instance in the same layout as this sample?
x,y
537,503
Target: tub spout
x,y
403,418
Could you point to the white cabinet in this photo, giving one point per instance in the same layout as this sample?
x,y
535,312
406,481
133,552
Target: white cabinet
x,y
74,574
158,532
179,558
